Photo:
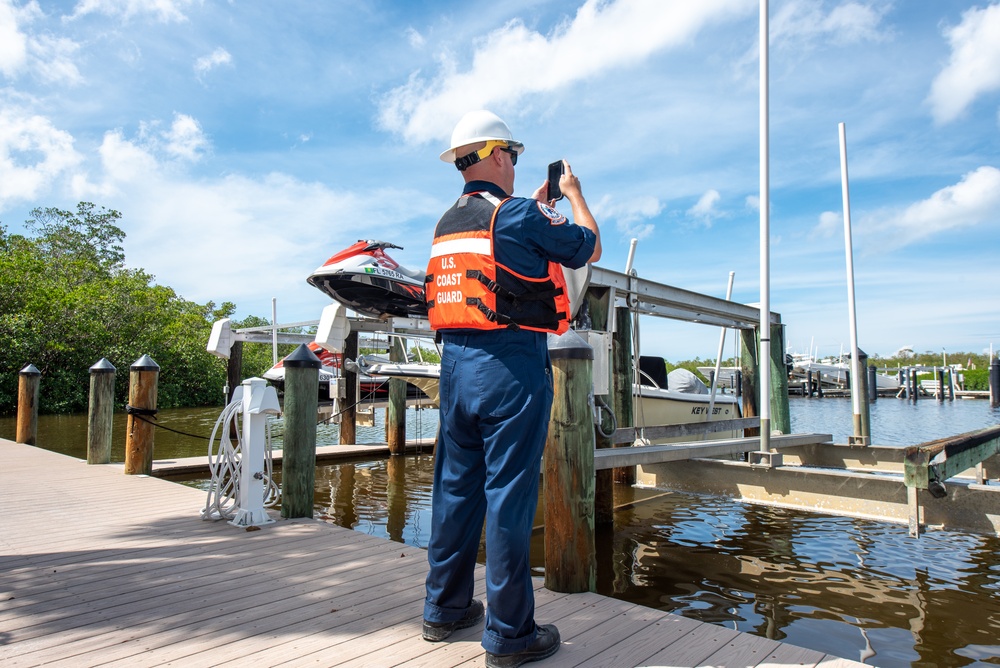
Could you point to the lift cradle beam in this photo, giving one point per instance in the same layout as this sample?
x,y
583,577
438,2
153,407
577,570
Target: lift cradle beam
x,y
670,302
947,457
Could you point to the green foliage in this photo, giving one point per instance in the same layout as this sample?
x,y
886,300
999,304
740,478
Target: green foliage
x,y
977,379
67,300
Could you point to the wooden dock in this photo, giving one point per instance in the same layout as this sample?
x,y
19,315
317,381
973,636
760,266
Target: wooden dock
x,y
102,569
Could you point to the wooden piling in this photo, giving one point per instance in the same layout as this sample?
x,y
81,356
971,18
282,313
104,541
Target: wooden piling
x,y
939,374
748,368
28,385
100,412
234,369
780,416
597,308
872,383
349,414
395,413
568,462
864,428
298,464
914,385
621,360
139,431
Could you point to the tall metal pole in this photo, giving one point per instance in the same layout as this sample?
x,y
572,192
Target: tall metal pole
x,y
860,437
764,358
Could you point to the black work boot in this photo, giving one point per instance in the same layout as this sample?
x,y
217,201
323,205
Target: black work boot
x,y
545,645
438,631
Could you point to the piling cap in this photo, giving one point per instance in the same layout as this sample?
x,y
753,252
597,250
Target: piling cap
x,y
569,346
144,363
302,358
103,366
30,370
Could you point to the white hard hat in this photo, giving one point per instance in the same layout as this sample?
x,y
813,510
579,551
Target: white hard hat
x,y
478,126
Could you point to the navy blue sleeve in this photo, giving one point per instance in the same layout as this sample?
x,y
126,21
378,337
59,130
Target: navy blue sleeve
x,y
545,233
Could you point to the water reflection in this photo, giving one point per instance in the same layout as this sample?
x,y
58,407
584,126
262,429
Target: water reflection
x,y
390,498
852,588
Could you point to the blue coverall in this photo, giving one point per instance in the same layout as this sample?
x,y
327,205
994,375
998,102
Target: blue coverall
x,y
496,395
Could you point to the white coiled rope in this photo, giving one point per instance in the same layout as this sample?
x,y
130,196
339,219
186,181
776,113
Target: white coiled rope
x,y
224,464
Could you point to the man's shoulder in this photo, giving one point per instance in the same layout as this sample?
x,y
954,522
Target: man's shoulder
x,y
531,210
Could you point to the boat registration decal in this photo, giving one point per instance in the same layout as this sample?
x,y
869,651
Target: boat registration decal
x,y
703,410
385,272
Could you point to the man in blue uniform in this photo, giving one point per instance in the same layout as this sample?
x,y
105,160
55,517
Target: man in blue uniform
x,y
496,385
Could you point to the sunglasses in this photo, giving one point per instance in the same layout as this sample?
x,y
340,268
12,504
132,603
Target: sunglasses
x,y
513,155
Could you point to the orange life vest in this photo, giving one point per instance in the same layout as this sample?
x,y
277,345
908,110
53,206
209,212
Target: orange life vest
x,y
468,289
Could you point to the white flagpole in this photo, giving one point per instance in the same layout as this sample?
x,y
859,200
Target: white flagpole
x,y
764,357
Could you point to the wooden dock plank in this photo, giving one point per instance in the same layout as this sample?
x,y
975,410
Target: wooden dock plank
x,y
201,625
102,569
741,651
789,655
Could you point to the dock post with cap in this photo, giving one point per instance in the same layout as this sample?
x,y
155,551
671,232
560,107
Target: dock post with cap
x,y
28,384
100,412
568,465
141,409
298,464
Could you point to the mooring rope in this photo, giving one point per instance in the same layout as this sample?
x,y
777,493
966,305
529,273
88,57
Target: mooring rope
x,y
141,413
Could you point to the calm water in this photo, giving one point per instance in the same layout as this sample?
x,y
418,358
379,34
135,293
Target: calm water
x,y
853,588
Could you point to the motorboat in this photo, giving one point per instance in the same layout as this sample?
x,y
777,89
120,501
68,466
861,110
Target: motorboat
x,y
679,397
371,386
424,375
367,280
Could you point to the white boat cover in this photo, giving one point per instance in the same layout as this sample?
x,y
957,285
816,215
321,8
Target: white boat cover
x,y
682,380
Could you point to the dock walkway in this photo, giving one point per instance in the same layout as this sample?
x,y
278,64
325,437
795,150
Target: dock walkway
x,y
102,569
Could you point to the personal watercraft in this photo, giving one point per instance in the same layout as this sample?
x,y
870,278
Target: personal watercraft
x,y
365,279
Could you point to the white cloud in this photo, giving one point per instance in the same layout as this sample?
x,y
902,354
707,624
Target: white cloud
x,y
165,11
975,200
830,223
48,57
515,61
33,153
52,59
185,138
205,64
415,39
803,22
704,209
974,67
13,42
631,217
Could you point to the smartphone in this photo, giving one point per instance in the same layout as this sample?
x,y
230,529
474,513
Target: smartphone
x,y
555,171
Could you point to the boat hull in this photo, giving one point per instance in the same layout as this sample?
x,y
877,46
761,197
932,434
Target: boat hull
x,y
654,406
374,294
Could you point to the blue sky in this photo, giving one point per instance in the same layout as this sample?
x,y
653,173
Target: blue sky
x,y
246,142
